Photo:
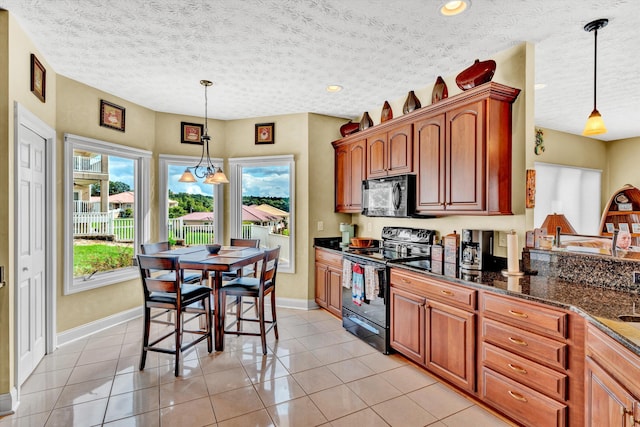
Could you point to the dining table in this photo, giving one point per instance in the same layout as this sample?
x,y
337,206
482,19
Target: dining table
x,y
229,258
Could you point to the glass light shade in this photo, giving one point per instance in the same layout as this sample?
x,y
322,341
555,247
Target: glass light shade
x,y
595,124
187,176
219,177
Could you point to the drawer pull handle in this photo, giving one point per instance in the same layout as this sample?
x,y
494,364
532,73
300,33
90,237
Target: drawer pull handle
x,y
517,368
518,341
518,313
447,293
517,396
406,281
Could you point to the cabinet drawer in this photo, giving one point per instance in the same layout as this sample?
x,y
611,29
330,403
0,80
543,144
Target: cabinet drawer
x,y
544,350
434,289
525,405
524,371
525,315
327,257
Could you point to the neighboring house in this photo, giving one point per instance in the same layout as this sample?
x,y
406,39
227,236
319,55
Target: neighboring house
x,y
119,202
197,218
259,217
89,169
283,216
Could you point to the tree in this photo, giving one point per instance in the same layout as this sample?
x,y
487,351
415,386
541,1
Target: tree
x,y
115,187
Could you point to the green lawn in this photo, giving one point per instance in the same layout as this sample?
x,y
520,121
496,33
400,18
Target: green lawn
x,y
100,257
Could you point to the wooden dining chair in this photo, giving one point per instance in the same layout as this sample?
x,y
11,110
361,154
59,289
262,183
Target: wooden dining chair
x,y
248,271
172,294
154,248
255,287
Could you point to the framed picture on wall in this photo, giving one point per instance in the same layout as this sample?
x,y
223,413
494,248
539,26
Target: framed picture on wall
x,y
265,133
111,115
38,79
191,133
623,226
610,227
635,228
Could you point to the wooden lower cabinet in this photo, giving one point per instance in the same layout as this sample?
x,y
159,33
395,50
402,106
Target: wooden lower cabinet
x,y
328,277
428,330
612,382
450,344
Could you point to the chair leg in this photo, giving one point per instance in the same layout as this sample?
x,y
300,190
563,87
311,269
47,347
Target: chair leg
x,y
273,314
178,329
145,337
207,313
238,313
255,306
263,334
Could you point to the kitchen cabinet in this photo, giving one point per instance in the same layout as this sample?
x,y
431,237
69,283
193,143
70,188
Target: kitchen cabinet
x,y
433,324
328,278
612,382
524,360
459,148
390,152
350,163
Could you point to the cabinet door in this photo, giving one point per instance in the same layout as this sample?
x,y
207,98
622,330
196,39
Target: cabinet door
x,y
321,285
465,158
450,344
334,284
342,164
400,150
407,326
377,155
608,403
429,154
357,174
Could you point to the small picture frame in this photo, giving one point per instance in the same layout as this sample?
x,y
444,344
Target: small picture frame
x,y
38,79
111,115
610,227
191,133
265,133
635,228
623,226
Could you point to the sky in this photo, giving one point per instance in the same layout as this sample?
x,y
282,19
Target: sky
x,y
265,181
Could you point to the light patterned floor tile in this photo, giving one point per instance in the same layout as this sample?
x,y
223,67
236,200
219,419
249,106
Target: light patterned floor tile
x,y
404,412
337,402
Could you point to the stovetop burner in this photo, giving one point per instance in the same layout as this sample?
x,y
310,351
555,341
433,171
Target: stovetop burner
x,y
398,244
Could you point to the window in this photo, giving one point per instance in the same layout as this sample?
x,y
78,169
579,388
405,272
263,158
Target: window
x,y
106,211
187,210
572,191
262,203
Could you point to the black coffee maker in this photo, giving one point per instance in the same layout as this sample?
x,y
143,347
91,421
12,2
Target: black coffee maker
x,y
475,248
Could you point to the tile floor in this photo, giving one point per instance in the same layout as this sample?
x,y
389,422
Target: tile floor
x,y
316,374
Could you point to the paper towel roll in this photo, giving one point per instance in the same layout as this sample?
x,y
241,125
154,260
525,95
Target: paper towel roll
x,y
513,283
513,262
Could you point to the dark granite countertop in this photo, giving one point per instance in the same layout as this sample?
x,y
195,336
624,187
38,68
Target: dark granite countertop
x,y
599,305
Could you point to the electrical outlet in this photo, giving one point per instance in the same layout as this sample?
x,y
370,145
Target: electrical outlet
x,y
320,226
636,277
502,239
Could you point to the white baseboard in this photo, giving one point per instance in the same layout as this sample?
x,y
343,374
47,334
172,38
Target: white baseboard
x,y
98,325
8,402
295,303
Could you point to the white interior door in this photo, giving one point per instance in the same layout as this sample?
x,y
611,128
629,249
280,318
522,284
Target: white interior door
x,y
31,232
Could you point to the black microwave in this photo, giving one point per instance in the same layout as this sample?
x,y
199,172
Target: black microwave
x,y
393,196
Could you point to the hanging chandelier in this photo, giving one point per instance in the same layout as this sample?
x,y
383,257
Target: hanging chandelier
x,y
205,168
595,124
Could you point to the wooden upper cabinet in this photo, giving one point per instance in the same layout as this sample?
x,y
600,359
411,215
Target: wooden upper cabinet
x,y
350,161
459,148
391,152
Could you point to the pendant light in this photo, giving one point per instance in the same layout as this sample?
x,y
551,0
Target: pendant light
x,y
595,124
205,168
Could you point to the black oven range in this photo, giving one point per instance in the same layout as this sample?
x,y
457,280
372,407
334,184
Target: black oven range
x,y
365,291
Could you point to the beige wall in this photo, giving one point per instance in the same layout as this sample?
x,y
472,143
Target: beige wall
x,y
622,164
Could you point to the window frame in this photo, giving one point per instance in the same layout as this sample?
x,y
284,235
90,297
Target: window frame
x,y
142,161
235,197
164,161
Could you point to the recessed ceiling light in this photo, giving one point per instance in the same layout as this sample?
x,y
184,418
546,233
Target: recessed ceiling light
x,y
452,8
334,88
539,86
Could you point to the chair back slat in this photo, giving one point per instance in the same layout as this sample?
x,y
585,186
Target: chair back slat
x,y
247,243
269,268
154,248
150,263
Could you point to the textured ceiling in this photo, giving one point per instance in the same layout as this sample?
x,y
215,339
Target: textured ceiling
x,y
269,57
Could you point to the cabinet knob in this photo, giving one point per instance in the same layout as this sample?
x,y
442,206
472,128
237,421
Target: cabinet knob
x,y
517,396
518,341
518,314
517,368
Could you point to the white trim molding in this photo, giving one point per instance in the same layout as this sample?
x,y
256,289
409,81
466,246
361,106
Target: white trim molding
x,y
9,402
87,329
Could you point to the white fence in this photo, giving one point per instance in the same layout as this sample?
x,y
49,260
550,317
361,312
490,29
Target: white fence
x,y
92,224
87,164
190,234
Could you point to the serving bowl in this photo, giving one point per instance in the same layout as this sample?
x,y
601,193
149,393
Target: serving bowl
x,y
214,248
361,242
